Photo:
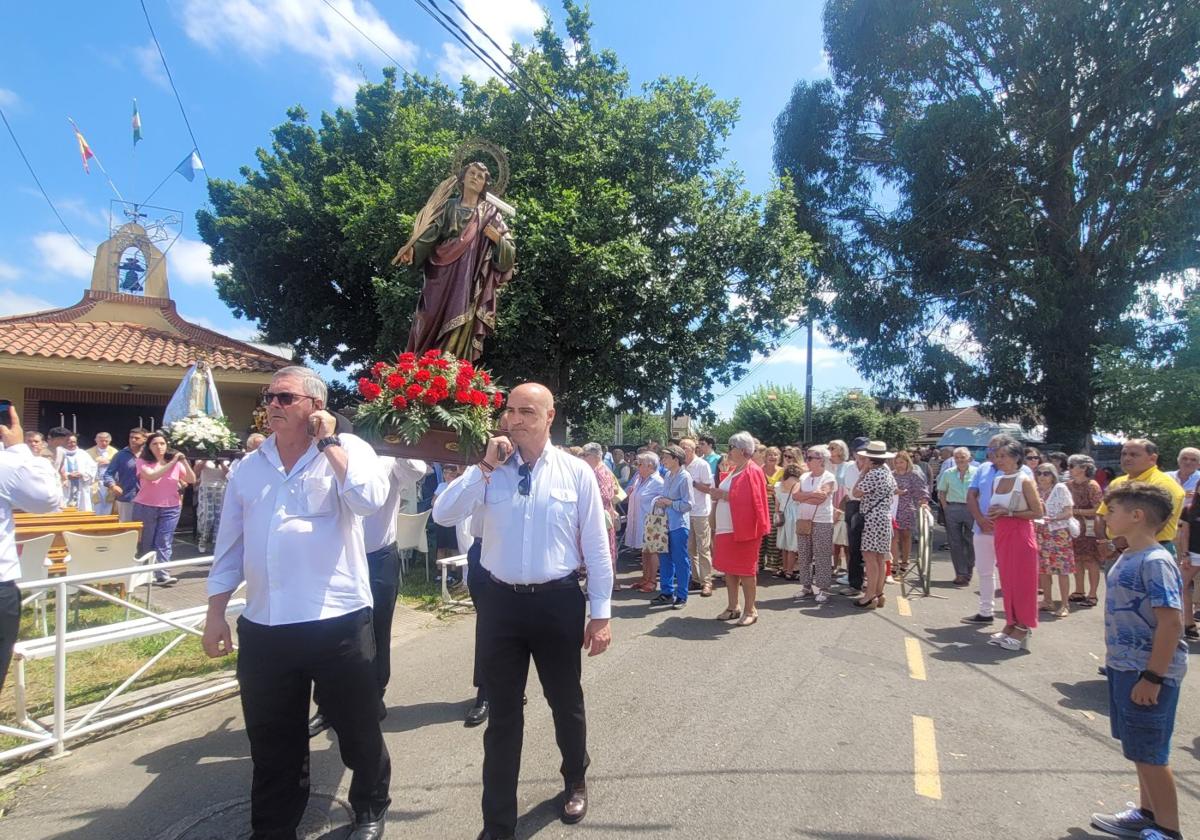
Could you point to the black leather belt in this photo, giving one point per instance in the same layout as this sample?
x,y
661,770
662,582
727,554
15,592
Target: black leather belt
x,y
561,583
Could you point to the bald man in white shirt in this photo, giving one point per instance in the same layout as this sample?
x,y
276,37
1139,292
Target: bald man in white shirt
x,y
291,528
541,519
27,483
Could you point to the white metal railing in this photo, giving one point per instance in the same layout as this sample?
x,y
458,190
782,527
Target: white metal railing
x,y
186,621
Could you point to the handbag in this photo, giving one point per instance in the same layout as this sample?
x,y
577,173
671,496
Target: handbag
x,y
804,527
655,538
1073,527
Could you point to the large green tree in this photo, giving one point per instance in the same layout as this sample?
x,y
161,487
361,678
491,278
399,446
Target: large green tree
x,y
995,184
632,235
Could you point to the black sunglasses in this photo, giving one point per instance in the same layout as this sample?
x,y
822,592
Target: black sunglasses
x,y
526,483
285,398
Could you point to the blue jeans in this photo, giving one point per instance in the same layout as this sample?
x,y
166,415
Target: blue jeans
x,y
675,567
158,530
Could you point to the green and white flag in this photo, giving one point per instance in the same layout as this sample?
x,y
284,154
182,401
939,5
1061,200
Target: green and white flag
x,y
137,124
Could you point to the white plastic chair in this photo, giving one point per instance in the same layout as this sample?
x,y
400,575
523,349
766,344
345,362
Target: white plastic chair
x,y
410,534
88,553
32,555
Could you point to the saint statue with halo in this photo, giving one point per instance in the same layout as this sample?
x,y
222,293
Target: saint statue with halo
x,y
464,247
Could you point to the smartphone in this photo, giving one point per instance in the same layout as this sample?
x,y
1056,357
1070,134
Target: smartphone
x,y
5,405
504,448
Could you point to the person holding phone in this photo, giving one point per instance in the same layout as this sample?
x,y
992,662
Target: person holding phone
x,y
541,518
161,472
292,530
27,483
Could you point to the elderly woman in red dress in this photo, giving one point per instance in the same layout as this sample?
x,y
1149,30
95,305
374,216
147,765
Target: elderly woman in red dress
x,y
741,522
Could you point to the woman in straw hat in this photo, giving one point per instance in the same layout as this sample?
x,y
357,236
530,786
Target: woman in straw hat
x,y
875,488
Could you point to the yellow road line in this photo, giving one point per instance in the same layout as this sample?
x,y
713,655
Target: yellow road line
x,y
916,665
904,607
927,780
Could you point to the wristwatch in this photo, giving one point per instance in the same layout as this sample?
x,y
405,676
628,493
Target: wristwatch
x,y
332,440
1151,677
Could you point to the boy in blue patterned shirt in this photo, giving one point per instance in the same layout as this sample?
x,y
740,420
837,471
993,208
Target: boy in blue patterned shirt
x,y
1146,658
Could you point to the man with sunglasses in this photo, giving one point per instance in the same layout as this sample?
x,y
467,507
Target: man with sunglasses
x,y
539,512
291,528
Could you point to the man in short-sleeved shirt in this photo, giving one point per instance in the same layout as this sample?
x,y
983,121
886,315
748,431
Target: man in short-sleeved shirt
x,y
1139,460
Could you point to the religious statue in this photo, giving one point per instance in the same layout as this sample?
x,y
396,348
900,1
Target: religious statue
x,y
466,251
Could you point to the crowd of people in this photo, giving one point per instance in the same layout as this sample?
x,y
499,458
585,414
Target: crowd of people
x,y
544,527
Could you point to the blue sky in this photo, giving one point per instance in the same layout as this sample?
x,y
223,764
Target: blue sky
x,y
240,63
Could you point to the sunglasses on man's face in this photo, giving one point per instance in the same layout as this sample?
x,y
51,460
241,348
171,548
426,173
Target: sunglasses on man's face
x,y
284,398
1033,458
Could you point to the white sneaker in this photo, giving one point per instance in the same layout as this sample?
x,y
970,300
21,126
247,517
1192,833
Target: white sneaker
x,y
890,579
822,597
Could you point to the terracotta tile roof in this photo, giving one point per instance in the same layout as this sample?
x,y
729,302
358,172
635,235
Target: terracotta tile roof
x,y
111,341
55,333
935,421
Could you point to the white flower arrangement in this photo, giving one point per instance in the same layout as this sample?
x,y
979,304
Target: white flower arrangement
x,y
202,433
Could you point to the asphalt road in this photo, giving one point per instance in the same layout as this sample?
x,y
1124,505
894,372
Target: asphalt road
x,y
818,722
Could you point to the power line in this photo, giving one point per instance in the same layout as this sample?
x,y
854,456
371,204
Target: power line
x,y
372,41
171,80
501,50
38,181
782,340
459,34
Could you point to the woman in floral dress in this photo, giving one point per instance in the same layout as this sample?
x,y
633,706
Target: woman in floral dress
x,y
1086,496
912,493
1056,558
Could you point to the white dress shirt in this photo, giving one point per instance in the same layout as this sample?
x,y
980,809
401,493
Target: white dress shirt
x,y
700,471
296,538
27,483
379,529
539,537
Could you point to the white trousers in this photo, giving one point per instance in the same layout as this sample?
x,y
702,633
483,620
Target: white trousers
x,y
985,567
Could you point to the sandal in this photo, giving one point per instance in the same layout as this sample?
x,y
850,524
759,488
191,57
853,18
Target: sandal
x,y
1076,597
1090,601
750,618
729,615
1191,632
1044,607
1062,612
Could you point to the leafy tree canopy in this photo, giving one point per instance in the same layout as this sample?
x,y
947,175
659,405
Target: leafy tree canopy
x,y
995,185
772,413
631,234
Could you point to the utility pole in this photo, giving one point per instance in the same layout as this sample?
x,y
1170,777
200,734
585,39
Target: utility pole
x,y
808,384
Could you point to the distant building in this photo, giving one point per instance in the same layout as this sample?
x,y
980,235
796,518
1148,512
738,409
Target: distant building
x,y
112,361
935,421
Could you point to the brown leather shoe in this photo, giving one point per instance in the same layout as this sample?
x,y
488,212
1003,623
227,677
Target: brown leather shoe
x,y
575,807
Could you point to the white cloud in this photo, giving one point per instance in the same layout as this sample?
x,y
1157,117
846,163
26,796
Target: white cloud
x,y
263,28
15,303
149,62
60,254
8,271
345,86
8,98
956,337
190,262
506,21
820,70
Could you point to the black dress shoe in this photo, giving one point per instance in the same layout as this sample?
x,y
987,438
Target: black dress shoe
x,y
978,618
661,601
574,806
477,714
365,828
487,835
316,725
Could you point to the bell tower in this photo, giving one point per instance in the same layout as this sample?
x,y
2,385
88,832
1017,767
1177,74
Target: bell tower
x,y
130,263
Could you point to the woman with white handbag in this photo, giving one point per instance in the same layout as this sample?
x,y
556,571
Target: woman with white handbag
x,y
1056,556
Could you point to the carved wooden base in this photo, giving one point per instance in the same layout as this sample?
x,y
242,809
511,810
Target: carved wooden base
x,y
437,445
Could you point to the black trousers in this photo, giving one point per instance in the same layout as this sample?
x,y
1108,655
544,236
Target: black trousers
x,y
383,566
477,585
10,622
277,668
855,570
548,626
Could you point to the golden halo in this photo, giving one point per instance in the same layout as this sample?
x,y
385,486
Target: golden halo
x,y
478,144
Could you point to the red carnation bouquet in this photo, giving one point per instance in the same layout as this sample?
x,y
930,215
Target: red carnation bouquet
x,y
404,399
